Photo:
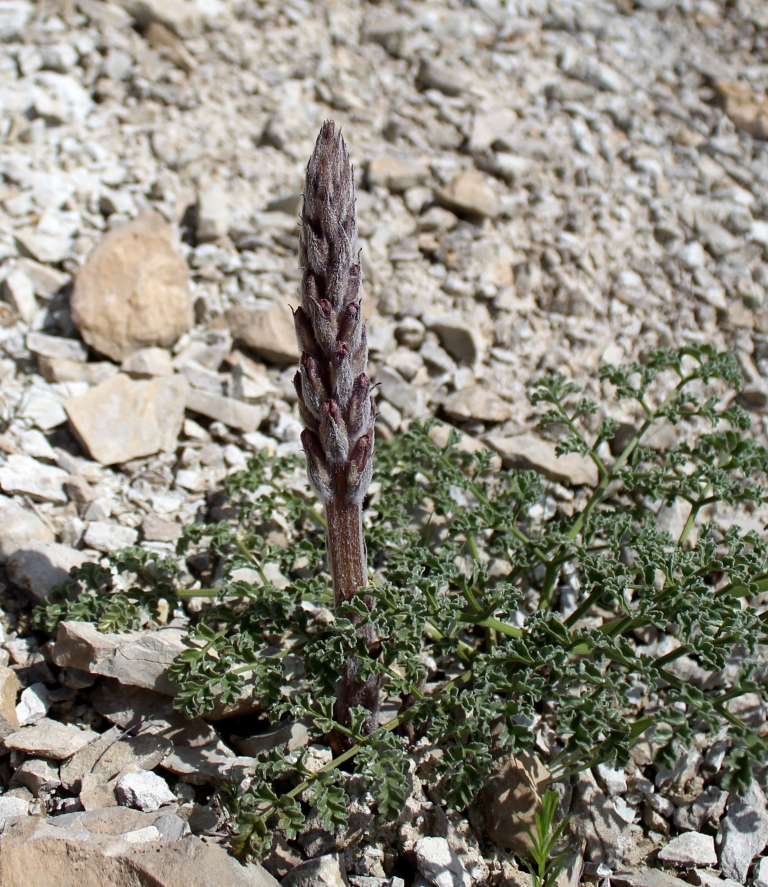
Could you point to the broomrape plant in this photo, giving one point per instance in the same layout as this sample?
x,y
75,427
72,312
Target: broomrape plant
x,y
477,608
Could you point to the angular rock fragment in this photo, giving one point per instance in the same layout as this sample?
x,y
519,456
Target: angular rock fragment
x,y
143,790
38,776
11,807
39,567
689,849
69,854
477,403
271,334
510,798
133,291
49,739
233,413
742,835
109,755
136,658
395,175
22,474
469,194
207,764
18,527
527,451
56,347
439,864
123,419
9,688
107,536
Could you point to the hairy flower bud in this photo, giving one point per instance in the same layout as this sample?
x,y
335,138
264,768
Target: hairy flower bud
x,y
329,324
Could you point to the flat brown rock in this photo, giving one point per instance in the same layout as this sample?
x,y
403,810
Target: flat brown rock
x,y
133,291
136,658
270,334
123,419
529,452
81,852
49,739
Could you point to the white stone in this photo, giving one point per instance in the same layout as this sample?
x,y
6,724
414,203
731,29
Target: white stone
x,y
142,835
56,346
439,864
692,255
741,836
615,781
18,527
35,444
107,536
42,406
212,214
22,474
20,294
34,704
144,790
760,878
10,807
690,848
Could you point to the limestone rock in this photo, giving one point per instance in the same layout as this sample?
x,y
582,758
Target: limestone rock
x,y
439,865
747,110
396,175
147,363
184,17
54,369
598,823
469,194
34,851
122,419
270,334
113,752
38,776
11,807
233,413
510,798
18,291
144,791
133,291
478,403
18,527
742,835
325,871
49,739
447,79
527,451
56,347
688,849
212,214
207,764
138,658
39,567
23,474
9,688
107,536
459,338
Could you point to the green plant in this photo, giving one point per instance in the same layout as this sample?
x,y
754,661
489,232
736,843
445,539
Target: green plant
x,y
543,866
499,608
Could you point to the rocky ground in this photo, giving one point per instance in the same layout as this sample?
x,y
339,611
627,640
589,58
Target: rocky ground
x,y
542,185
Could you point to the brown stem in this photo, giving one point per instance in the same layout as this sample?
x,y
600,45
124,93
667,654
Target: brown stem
x,y
346,548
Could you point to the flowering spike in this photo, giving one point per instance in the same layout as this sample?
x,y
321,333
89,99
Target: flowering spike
x,y
333,390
